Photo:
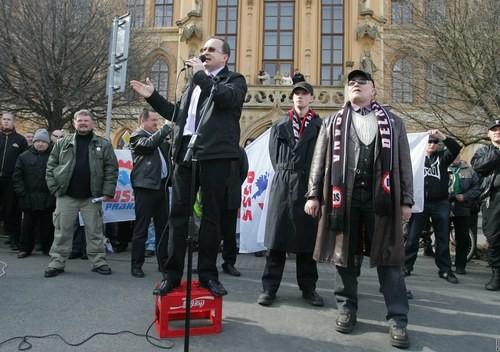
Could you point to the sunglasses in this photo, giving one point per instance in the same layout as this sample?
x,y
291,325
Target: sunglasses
x,y
210,49
433,141
361,82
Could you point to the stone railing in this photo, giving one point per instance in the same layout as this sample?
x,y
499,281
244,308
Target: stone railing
x,y
261,96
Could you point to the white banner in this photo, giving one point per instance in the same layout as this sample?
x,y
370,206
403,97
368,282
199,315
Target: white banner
x,y
253,210
418,145
254,191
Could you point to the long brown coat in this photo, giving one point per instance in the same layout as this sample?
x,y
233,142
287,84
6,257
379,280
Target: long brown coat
x,y
387,246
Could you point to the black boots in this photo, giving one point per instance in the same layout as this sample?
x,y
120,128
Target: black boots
x,y
494,283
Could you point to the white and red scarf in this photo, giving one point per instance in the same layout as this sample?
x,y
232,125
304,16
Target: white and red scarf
x,y
298,124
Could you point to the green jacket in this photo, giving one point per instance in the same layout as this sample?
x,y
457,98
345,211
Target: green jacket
x,y
103,166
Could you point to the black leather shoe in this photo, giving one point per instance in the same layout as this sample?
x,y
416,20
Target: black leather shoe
x,y
449,276
266,298
230,269
103,270
313,298
215,287
345,322
399,337
164,287
23,254
137,272
51,272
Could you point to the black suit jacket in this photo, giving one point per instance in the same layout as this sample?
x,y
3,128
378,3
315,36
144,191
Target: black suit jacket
x,y
219,135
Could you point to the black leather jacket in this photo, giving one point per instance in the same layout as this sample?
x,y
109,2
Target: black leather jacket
x,y
218,137
486,162
11,146
145,148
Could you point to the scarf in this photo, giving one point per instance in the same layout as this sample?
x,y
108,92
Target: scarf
x,y
300,125
383,204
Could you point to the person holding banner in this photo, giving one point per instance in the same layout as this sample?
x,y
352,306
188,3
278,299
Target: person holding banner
x,y
150,154
288,227
361,188
217,94
82,168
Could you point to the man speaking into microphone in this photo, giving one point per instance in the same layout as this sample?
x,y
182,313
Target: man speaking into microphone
x,y
216,146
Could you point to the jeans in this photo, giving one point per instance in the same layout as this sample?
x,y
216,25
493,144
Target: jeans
x,y
439,213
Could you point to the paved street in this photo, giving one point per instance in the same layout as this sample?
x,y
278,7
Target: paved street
x,y
78,303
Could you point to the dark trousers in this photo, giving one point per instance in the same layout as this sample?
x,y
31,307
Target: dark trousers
x,y
491,228
391,278
79,246
41,220
149,204
11,214
439,213
307,272
462,226
228,230
211,179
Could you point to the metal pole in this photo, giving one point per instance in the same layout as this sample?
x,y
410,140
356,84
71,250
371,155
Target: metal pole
x,y
111,77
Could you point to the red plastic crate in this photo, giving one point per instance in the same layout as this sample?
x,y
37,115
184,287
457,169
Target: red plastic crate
x,y
172,306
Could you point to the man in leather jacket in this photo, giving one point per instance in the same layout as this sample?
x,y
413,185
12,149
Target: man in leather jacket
x,y
149,179
486,162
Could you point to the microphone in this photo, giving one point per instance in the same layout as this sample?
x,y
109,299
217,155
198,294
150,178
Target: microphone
x,y
202,58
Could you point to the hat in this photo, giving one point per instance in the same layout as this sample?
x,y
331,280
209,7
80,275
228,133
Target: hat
x,y
360,73
303,85
494,124
41,135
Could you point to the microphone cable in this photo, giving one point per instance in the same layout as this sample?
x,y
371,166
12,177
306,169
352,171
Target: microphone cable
x,y
25,345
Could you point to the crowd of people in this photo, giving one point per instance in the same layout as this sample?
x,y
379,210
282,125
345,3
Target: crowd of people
x,y
343,187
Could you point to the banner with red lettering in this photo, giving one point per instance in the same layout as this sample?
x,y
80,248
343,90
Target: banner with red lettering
x,y
253,209
121,208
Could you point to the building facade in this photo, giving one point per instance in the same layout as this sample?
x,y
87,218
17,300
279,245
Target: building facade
x,y
323,39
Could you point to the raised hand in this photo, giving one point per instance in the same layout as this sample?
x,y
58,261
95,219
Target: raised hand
x,y
143,89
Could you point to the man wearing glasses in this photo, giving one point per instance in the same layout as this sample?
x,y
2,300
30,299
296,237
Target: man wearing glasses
x,y
360,186
216,148
436,205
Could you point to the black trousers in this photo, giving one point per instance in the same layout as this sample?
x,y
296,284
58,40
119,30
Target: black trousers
x,y
307,272
212,179
41,220
491,227
461,225
228,230
391,278
11,213
150,203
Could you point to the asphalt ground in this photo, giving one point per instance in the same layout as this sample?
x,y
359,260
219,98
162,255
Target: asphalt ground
x,y
79,303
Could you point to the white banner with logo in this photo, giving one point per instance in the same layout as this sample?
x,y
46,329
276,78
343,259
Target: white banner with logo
x,y
253,211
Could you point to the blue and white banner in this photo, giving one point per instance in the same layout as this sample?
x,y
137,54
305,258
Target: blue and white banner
x,y
121,207
253,211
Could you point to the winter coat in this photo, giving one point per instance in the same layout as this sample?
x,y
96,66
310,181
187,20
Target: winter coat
x,y
146,148
102,162
288,227
29,181
486,162
387,246
11,146
219,136
469,181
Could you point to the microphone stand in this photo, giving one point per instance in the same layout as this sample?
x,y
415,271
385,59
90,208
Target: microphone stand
x,y
190,236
